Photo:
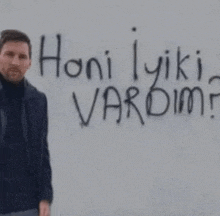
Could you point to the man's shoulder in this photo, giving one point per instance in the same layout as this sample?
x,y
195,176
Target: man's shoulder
x,y
32,92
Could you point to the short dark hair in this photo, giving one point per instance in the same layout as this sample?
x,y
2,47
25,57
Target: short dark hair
x,y
14,35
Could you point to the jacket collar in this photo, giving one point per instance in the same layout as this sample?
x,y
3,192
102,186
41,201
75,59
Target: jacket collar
x,y
28,89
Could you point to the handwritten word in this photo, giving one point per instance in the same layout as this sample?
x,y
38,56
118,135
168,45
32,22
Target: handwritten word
x,y
179,98
78,62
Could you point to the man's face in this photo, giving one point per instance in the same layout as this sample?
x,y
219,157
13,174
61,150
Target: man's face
x,y
14,60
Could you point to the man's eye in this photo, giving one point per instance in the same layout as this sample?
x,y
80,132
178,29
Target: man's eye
x,y
23,56
9,54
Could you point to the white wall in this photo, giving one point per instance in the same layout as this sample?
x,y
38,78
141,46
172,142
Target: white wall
x,y
169,165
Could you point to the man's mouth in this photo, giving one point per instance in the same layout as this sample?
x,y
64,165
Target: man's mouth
x,y
14,74
14,71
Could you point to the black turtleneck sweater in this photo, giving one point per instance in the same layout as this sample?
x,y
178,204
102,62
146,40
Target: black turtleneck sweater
x,y
13,155
13,94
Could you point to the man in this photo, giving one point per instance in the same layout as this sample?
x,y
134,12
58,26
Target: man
x,y
25,172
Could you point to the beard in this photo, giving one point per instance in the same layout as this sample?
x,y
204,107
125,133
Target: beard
x,y
13,75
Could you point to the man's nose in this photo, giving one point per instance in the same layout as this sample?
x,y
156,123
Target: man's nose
x,y
15,60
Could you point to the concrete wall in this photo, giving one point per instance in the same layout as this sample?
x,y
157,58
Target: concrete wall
x,y
132,88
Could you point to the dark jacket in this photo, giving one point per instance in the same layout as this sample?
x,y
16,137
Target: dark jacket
x,y
36,185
